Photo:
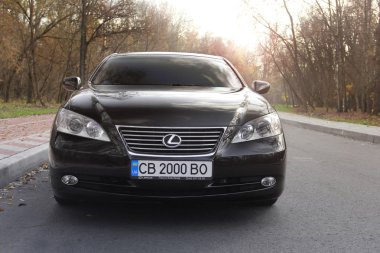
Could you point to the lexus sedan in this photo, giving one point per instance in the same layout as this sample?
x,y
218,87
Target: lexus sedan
x,y
167,126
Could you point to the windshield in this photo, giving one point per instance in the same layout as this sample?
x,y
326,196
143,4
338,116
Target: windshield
x,y
170,70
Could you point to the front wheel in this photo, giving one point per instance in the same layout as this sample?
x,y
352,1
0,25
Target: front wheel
x,y
64,202
265,202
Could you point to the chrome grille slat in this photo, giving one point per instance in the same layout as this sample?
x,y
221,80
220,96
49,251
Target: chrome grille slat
x,y
148,140
160,140
142,135
183,136
166,132
133,139
177,149
203,140
161,145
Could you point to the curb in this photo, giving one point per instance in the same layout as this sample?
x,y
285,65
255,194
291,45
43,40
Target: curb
x,y
355,135
15,166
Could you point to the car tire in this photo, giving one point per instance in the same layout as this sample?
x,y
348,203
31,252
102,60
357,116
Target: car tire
x,y
265,202
64,202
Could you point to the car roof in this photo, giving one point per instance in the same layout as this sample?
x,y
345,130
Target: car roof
x,y
178,54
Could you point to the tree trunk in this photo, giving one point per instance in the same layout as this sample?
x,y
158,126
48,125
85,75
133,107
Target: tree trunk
x,y
285,94
31,54
29,95
376,107
341,106
83,41
8,89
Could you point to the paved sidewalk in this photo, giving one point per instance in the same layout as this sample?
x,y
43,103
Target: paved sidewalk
x,y
23,145
19,155
14,128
349,130
12,147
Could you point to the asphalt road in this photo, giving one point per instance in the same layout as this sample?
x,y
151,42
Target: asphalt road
x,y
331,204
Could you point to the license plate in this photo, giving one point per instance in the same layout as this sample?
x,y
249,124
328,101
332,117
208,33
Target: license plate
x,y
187,170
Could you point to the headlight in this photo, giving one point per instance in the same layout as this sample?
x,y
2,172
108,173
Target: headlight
x,y
266,126
76,124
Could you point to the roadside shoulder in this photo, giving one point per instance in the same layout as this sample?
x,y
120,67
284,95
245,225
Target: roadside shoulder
x,y
348,130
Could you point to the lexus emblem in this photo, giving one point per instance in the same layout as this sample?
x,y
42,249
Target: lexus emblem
x,y
171,140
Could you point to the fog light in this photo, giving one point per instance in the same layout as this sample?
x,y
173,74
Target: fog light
x,y
69,180
268,181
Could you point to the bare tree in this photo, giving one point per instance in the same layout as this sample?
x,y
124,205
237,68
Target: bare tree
x,y
377,76
101,19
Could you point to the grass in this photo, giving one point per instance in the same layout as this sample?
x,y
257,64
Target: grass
x,y
350,117
19,109
284,108
355,118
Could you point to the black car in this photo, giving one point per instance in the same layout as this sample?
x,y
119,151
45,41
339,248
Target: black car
x,y
167,126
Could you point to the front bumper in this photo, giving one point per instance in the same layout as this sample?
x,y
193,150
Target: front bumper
x,y
103,171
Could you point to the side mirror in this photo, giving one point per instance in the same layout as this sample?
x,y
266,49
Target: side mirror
x,y
71,83
260,87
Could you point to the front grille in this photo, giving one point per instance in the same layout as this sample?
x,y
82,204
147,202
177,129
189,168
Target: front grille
x,y
149,140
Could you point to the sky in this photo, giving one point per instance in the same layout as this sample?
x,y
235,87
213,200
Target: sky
x,y
232,19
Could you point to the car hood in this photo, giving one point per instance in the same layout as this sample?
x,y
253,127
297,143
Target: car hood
x,y
173,107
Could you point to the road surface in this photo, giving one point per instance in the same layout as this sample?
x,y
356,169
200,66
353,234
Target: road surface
x,y
331,204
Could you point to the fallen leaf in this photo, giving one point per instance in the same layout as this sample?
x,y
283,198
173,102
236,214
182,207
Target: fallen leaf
x,y
1,209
